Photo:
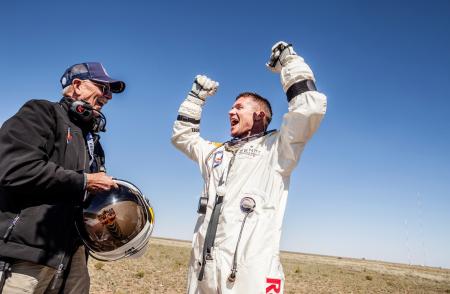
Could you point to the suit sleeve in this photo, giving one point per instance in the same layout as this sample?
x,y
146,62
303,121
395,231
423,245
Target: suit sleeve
x,y
186,132
305,114
24,163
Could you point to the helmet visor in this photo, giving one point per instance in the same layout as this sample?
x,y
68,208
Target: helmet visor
x,y
113,218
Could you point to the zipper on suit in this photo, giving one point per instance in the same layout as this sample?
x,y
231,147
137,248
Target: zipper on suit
x,y
230,165
210,236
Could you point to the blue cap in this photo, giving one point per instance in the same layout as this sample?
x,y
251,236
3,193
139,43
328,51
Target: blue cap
x,y
93,71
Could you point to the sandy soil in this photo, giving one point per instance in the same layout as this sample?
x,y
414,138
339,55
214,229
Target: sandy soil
x,y
163,269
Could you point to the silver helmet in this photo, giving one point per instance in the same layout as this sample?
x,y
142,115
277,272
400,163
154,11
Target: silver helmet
x,y
116,224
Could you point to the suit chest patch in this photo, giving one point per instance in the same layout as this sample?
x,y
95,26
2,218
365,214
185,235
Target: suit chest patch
x,y
250,151
218,157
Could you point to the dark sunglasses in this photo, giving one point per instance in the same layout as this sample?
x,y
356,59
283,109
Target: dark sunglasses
x,y
105,88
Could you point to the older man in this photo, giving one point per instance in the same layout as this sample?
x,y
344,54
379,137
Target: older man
x,y
236,241
50,156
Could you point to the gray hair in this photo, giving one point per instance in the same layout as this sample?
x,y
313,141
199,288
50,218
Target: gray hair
x,y
67,91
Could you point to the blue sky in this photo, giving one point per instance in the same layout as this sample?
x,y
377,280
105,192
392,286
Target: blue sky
x,y
374,180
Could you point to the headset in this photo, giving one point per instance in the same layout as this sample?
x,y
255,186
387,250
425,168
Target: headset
x,y
84,113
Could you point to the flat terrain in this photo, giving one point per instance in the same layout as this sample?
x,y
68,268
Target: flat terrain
x,y
163,269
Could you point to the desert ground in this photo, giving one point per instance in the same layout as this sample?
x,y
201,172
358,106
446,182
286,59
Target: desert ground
x,y
163,269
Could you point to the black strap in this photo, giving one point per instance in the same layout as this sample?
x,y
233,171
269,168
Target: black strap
x,y
210,235
188,119
299,88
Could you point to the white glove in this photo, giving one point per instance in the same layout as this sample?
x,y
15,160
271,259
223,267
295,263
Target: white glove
x,y
292,67
282,52
203,87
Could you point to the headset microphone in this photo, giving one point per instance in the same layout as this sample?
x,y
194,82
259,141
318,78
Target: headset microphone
x,y
82,109
88,115
99,122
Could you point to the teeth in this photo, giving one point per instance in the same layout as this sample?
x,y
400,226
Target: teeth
x,y
234,121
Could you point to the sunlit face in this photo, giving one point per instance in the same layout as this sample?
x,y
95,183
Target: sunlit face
x,y
241,116
97,95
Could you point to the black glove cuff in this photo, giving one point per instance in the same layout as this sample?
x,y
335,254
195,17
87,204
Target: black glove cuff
x,y
300,88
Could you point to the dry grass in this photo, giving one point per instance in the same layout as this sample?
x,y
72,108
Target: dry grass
x,y
163,269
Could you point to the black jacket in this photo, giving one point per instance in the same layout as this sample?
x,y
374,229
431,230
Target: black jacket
x,y
42,160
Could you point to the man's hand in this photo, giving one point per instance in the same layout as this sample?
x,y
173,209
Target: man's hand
x,y
98,182
281,52
292,68
203,87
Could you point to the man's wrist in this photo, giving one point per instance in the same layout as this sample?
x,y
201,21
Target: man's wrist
x,y
195,99
191,108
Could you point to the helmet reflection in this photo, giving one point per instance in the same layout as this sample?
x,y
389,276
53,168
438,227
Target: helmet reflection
x,y
114,220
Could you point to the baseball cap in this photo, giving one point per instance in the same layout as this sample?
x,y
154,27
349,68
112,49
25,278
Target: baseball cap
x,y
93,71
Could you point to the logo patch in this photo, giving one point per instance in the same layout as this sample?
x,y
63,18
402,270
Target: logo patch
x,y
273,284
218,156
249,152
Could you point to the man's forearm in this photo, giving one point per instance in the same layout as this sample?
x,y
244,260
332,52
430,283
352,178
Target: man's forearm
x,y
191,110
186,129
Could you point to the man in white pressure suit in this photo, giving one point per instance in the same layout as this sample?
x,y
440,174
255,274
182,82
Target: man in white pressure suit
x,y
237,237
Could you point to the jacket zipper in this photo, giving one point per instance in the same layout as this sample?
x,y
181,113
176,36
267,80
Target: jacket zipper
x,y
58,275
57,282
10,228
84,158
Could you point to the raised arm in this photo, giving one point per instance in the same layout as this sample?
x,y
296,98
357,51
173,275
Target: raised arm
x,y
186,129
307,106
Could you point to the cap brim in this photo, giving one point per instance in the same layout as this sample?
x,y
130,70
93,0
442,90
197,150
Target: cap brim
x,y
115,85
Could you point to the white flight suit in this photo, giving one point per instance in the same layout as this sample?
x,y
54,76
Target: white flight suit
x,y
261,170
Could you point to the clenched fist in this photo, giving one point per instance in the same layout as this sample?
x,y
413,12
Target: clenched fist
x,y
292,67
280,53
203,87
